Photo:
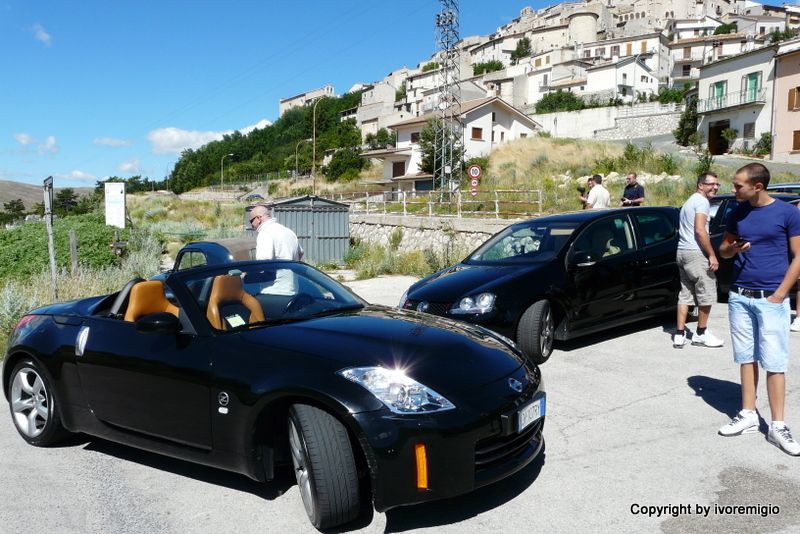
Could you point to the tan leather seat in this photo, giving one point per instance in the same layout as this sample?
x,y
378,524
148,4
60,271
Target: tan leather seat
x,y
227,290
148,297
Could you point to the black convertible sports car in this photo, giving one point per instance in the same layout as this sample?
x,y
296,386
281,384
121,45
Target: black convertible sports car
x,y
561,276
254,365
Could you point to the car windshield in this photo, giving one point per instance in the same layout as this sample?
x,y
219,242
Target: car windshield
x,y
535,241
264,293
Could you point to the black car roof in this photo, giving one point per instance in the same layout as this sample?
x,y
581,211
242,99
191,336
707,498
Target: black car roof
x,y
786,197
588,215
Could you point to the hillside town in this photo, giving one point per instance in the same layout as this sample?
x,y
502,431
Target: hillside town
x,y
737,60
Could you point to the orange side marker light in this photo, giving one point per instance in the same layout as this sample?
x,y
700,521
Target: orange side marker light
x,y
422,466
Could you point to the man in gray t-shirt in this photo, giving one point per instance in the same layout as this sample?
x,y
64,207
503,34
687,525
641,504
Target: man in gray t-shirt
x,y
697,263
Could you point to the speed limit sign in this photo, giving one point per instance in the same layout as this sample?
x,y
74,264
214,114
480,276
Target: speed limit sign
x,y
474,171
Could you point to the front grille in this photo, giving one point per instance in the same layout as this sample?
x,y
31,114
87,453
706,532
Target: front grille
x,y
434,308
495,450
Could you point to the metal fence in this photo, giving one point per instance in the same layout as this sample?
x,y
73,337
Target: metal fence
x,y
499,204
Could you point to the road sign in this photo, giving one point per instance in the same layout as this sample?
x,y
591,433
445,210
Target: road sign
x,y
474,182
474,171
473,191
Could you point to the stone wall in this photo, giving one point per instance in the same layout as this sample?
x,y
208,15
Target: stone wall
x,y
635,127
440,235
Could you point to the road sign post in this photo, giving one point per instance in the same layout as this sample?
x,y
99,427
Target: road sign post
x,y
475,172
48,219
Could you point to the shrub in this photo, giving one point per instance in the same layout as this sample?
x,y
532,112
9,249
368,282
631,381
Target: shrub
x,y
763,145
559,101
488,66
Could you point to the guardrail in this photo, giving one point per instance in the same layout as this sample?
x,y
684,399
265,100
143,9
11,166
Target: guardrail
x,y
500,204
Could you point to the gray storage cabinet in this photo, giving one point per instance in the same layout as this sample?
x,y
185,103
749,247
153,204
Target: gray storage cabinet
x,y
322,225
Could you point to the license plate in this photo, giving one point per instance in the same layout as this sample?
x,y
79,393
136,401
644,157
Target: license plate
x,y
530,413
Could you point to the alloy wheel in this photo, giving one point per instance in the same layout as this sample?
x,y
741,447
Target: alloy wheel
x,y
546,337
298,449
30,403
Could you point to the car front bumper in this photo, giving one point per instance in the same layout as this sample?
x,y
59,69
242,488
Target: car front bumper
x,y
466,448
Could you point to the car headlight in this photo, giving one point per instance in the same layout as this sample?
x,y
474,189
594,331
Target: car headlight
x,y
483,303
401,394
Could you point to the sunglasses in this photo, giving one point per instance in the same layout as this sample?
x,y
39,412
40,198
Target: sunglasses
x,y
254,218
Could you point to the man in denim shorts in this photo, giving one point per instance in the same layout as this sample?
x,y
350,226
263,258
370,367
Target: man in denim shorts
x,y
697,264
761,233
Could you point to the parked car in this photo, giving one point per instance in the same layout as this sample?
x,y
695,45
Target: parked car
x,y
784,188
353,397
721,208
212,252
561,276
255,197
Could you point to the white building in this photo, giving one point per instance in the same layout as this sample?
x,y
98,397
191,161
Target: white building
x,y
487,123
736,93
626,79
285,104
689,54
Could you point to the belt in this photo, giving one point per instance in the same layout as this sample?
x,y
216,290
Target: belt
x,y
752,293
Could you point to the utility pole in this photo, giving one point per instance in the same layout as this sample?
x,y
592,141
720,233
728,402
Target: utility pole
x,y
448,153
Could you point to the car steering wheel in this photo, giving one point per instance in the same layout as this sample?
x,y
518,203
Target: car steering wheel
x,y
298,302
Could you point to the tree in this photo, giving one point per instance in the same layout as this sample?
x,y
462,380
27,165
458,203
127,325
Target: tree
x,y
427,144
15,209
488,66
724,29
65,201
777,36
344,161
381,139
559,101
430,66
400,94
522,51
687,124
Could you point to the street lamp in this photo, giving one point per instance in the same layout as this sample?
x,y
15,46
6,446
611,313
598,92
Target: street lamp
x,y
222,171
314,149
296,171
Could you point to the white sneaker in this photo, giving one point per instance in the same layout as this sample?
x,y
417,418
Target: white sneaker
x,y
679,340
795,327
707,340
782,438
740,424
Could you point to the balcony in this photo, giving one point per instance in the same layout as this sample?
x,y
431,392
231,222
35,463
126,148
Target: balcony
x,y
694,58
732,100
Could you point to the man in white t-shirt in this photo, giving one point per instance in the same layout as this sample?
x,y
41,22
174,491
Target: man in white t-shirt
x,y
697,263
276,242
598,197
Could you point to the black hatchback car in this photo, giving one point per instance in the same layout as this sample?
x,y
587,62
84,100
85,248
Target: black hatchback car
x,y
561,276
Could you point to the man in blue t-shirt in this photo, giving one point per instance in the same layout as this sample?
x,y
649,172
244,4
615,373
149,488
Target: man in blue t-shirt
x,y
762,233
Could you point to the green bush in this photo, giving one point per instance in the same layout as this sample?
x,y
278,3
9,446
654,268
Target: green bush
x,y
488,66
559,101
24,249
763,145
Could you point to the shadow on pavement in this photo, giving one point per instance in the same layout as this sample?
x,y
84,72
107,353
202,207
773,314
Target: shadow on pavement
x,y
466,506
284,478
722,395
666,322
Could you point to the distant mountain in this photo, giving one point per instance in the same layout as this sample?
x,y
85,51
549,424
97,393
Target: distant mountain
x,y
30,194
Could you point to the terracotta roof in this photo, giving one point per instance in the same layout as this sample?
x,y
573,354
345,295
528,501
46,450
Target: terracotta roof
x,y
466,107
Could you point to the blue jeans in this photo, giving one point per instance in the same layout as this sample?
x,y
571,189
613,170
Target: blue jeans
x,y
759,331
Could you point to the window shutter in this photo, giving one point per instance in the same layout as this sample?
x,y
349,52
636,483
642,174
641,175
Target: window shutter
x,y
792,98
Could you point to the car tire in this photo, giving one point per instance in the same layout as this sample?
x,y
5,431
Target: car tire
x,y
324,466
33,405
536,331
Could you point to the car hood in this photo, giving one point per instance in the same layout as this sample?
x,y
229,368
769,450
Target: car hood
x,y
428,348
462,279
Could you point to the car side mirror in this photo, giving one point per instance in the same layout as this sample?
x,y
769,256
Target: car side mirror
x,y
158,323
583,259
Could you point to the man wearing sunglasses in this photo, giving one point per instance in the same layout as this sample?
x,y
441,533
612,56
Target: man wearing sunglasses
x,y
697,263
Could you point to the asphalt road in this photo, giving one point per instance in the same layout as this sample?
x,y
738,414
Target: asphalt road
x,y
631,424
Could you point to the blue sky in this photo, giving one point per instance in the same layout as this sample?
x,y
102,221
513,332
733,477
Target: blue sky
x,y
92,89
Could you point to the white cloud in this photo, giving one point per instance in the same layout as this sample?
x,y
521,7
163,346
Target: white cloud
x,y
111,141
78,176
40,34
131,166
24,139
49,146
175,140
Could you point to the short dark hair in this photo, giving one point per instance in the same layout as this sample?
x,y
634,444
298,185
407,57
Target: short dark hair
x,y
702,177
597,179
756,174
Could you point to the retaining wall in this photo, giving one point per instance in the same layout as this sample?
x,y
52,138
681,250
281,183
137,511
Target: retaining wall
x,y
440,235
